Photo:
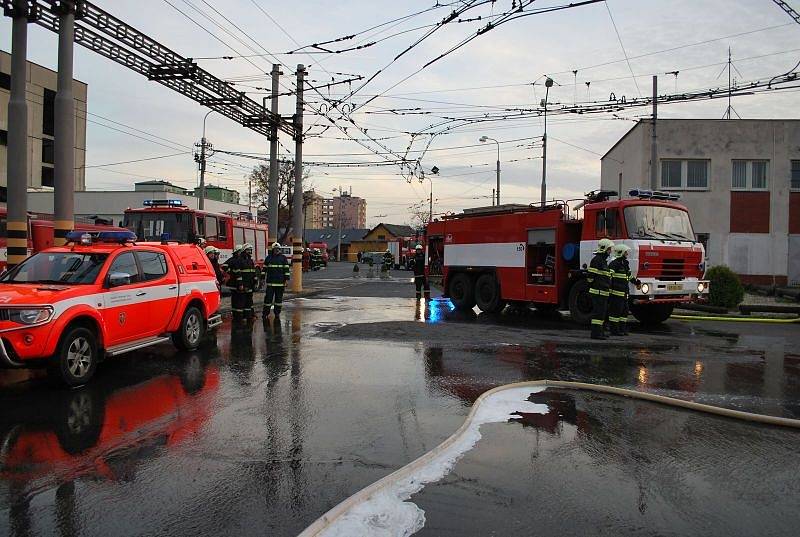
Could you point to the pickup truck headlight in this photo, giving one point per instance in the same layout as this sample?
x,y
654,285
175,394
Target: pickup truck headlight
x,y
31,316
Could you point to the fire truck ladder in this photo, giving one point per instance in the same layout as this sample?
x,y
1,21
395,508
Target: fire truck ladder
x,y
108,36
789,10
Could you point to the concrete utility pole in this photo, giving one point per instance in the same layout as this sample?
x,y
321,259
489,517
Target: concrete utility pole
x,y
64,143
200,158
496,191
17,165
339,248
654,140
297,202
548,83
272,189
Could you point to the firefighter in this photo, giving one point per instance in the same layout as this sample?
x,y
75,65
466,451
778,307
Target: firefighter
x,y
278,270
599,286
420,281
234,255
212,253
388,261
620,279
242,282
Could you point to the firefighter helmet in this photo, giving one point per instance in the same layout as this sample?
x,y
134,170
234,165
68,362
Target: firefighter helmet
x,y
604,245
237,248
247,246
620,250
276,244
418,247
211,250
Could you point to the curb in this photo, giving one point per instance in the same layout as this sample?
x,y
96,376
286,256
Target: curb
x,y
735,319
326,520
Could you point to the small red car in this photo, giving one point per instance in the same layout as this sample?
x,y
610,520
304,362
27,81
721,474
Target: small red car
x,y
67,308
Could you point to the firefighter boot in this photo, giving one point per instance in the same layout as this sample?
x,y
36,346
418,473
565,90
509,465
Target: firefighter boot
x,y
597,330
623,327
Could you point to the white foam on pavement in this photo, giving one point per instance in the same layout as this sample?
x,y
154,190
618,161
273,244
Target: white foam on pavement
x,y
388,512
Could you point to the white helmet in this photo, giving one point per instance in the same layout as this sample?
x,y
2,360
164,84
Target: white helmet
x,y
620,250
237,248
604,245
276,245
247,246
211,250
418,247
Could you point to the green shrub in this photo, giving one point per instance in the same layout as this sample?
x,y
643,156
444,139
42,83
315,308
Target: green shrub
x,y
726,290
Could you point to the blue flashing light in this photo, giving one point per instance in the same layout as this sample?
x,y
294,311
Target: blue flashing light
x,y
162,203
116,236
165,237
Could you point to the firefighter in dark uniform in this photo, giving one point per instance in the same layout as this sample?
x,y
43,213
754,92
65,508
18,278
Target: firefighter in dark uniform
x,y
242,282
212,253
278,271
420,281
388,261
600,286
620,280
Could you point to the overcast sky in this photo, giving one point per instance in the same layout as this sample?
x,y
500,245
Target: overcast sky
x,y
494,70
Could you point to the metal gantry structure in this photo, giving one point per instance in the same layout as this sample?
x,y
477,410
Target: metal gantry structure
x,y
789,10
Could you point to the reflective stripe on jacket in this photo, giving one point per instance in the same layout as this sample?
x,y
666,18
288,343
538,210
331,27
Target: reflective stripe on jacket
x,y
599,276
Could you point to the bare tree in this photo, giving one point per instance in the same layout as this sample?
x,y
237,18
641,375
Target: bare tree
x,y
260,178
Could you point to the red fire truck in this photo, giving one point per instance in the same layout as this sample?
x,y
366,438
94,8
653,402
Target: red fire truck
x,y
528,255
40,233
171,218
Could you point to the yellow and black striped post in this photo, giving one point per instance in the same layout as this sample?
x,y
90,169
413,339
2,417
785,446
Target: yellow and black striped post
x,y
297,265
17,241
60,230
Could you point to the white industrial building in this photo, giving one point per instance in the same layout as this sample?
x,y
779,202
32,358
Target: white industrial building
x,y
740,180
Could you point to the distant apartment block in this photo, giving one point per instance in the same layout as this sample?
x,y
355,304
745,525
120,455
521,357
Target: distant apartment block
x,y
323,212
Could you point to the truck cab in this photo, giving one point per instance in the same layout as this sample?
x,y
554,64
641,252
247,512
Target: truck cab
x,y
68,308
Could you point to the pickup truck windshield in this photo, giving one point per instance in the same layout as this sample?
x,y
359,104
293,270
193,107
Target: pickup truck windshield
x,y
151,226
654,222
57,268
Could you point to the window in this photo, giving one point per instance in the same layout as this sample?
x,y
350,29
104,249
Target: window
x,y
250,236
72,268
211,227
154,265
749,174
3,137
261,244
126,263
5,81
238,235
48,176
48,155
795,180
49,112
684,174
608,224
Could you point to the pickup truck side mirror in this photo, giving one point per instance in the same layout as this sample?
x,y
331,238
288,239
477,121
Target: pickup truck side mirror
x,y
116,279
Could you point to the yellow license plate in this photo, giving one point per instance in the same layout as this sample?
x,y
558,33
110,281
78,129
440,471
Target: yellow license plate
x,y
674,287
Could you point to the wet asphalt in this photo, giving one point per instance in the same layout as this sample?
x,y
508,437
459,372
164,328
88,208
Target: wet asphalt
x,y
269,425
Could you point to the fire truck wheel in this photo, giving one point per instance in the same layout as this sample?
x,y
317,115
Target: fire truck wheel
x,y
487,294
191,331
75,360
580,302
461,292
651,314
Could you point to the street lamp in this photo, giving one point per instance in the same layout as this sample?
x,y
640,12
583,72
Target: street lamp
x,y
201,161
548,83
484,139
434,171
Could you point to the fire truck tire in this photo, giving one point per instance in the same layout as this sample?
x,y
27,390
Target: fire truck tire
x,y
651,314
192,328
462,292
580,303
75,360
487,294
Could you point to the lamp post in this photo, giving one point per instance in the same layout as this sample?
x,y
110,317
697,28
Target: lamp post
x,y
548,83
434,171
497,190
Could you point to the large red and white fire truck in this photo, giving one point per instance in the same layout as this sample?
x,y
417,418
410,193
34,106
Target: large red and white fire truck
x,y
170,219
41,232
529,255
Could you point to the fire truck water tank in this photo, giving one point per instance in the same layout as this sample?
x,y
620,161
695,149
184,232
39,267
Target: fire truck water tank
x,y
570,251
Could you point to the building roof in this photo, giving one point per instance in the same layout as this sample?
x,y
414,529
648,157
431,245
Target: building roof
x,y
397,230
157,182
330,235
674,120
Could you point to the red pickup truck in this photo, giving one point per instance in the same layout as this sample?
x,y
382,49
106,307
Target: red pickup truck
x,y
68,308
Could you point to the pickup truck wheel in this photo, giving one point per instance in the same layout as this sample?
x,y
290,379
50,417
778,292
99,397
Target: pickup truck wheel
x,y
79,420
580,302
191,330
487,294
461,292
651,314
76,358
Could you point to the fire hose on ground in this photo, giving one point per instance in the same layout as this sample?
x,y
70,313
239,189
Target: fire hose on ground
x,y
381,490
